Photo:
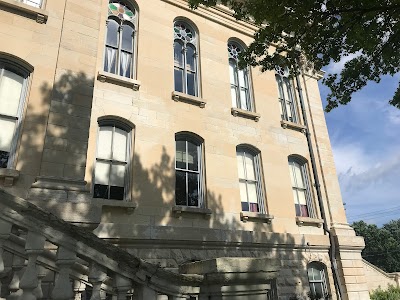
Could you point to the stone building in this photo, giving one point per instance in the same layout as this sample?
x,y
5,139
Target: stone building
x,y
199,180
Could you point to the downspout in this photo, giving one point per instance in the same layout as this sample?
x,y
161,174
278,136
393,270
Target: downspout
x,y
332,249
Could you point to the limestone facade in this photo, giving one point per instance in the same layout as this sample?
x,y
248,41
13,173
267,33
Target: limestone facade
x,y
62,44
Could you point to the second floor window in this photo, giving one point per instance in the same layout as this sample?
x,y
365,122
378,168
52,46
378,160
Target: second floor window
x,y
185,59
119,56
34,3
287,103
239,79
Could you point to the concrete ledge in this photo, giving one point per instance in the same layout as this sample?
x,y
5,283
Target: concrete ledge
x,y
255,217
9,176
120,80
39,14
178,96
178,210
245,113
306,221
295,126
60,183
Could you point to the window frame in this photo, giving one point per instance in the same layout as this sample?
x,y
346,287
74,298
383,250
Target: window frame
x,y
259,178
121,23
115,122
11,64
199,142
194,43
41,5
323,282
286,87
294,161
236,84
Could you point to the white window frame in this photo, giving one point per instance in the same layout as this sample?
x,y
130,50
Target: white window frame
x,y
184,68
188,137
301,163
128,165
18,118
33,3
241,151
323,283
121,22
235,85
287,95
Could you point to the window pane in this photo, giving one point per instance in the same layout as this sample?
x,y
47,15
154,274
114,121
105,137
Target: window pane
x,y
299,176
280,86
243,100
298,210
35,3
191,58
253,207
117,192
252,192
125,68
242,78
178,74
102,173
243,191
191,84
249,162
193,157
304,210
181,154
301,197
104,142
318,290
6,134
178,54
10,93
4,159
100,191
112,33
180,188
234,96
245,206
117,175
193,189
289,111
110,60
239,158
119,144
232,69
127,38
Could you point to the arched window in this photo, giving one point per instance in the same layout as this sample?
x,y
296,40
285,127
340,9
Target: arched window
x,y
250,179
301,187
185,59
119,57
111,174
286,95
240,79
13,87
189,171
318,282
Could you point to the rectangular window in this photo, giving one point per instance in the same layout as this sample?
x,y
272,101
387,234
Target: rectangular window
x,y
34,3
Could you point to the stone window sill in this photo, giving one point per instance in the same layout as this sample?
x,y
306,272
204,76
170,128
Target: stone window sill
x,y
9,176
39,14
245,113
120,80
306,221
246,216
291,125
178,96
126,204
179,210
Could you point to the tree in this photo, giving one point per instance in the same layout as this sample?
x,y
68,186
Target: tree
x,y
367,31
382,245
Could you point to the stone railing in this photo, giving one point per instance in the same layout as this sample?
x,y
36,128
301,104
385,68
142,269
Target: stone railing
x,y
44,257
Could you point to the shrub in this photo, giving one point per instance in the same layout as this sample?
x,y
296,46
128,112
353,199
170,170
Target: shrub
x,y
392,293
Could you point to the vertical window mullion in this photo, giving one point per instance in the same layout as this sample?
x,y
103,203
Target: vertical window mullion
x,y
237,87
111,163
118,58
187,173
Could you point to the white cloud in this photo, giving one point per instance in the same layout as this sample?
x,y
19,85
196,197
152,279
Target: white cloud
x,y
338,67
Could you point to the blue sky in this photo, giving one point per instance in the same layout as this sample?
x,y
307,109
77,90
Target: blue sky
x,y
365,138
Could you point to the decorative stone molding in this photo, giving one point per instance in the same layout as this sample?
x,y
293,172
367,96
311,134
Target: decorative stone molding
x,y
103,76
307,68
246,216
245,113
306,221
40,15
178,210
294,126
178,96
9,175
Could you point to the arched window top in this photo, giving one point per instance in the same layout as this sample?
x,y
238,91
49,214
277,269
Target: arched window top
x,y
297,158
316,265
190,136
234,49
17,64
282,71
184,32
249,148
116,121
122,11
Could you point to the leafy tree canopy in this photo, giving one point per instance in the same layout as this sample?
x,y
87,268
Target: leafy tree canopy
x,y
382,245
368,31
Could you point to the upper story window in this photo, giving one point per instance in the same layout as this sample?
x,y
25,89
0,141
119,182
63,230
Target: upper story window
x,y
185,59
35,3
318,282
111,174
286,95
13,86
239,79
189,171
301,187
250,180
119,56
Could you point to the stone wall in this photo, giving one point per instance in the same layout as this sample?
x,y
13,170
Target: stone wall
x,y
377,278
